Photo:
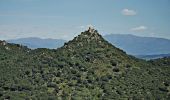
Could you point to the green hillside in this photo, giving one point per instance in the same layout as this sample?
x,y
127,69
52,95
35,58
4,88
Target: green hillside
x,y
86,68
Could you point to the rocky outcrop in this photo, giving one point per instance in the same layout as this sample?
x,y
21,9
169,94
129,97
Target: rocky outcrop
x,y
3,43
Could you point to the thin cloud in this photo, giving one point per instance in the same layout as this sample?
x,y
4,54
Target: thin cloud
x,y
28,15
85,26
128,12
14,13
82,27
90,25
140,28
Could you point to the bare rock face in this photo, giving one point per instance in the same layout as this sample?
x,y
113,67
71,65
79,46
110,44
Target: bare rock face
x,y
88,35
3,43
91,30
86,38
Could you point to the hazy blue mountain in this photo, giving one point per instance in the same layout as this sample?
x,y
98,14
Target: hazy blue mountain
x,y
34,43
136,45
143,47
149,57
85,68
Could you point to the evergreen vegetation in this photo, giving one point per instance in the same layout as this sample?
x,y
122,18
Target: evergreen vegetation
x,y
86,68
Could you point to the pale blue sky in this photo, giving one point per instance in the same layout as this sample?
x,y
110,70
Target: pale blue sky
x,y
64,19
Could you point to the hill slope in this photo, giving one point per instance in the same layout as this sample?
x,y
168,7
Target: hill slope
x,y
143,47
88,67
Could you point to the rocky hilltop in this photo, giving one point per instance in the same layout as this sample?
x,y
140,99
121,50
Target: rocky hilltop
x,y
87,67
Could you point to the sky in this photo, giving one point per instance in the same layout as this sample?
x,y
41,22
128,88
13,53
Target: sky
x,y
64,19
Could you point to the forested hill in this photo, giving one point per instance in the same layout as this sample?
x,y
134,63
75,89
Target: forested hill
x,y
87,67
143,47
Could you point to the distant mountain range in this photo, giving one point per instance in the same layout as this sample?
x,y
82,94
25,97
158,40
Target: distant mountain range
x,y
34,43
136,45
148,57
141,47
85,68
